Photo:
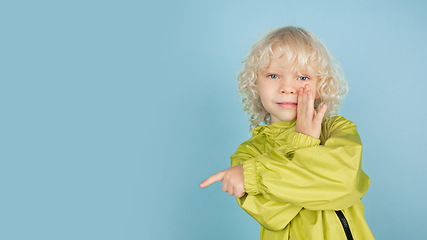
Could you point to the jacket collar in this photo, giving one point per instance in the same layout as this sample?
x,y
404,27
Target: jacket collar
x,y
274,129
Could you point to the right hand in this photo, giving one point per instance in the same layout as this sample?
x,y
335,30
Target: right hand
x,y
232,181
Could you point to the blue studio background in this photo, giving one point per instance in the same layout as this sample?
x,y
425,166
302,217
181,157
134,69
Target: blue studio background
x,y
113,112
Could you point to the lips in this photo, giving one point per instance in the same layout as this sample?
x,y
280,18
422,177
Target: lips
x,y
287,104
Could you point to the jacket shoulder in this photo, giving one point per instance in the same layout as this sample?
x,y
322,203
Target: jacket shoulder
x,y
335,124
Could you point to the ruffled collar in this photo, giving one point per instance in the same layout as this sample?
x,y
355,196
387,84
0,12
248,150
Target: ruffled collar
x,y
275,129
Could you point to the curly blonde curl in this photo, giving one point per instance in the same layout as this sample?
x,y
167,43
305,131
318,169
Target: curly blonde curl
x,y
303,51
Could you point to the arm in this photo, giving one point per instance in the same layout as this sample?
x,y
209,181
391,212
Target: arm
x,y
313,176
270,214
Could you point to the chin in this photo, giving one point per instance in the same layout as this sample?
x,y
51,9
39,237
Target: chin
x,y
288,119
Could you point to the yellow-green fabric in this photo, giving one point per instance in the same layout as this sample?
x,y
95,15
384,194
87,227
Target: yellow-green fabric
x,y
294,182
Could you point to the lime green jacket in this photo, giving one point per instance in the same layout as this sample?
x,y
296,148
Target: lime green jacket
x,y
300,187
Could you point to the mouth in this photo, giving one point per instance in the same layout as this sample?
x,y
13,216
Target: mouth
x,y
287,104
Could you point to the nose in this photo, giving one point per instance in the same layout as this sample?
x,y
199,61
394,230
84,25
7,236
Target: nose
x,y
287,88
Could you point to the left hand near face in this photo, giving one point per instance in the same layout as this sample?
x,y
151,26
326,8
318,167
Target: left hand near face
x,y
309,122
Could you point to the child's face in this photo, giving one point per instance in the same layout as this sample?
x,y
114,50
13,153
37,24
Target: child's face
x,y
278,88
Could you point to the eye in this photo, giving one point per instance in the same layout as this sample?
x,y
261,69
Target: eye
x,y
303,78
273,76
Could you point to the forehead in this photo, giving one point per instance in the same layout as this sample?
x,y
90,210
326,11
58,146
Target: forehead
x,y
284,63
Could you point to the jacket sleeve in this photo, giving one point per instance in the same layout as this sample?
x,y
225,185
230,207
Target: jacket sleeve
x,y
310,175
270,214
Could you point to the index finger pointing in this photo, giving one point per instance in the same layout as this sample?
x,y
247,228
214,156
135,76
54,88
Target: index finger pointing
x,y
219,176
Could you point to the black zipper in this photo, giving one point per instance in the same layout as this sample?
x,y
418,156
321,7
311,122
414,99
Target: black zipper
x,y
344,225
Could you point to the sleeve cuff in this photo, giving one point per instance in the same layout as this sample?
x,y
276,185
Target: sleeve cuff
x,y
251,177
300,140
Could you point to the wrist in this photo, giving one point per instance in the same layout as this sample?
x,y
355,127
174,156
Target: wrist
x,y
301,140
314,135
251,177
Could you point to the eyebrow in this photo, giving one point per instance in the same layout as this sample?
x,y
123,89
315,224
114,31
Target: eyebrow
x,y
277,70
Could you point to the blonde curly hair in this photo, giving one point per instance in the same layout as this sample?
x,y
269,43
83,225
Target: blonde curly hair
x,y
302,51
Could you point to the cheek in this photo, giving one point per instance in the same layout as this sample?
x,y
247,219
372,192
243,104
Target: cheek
x,y
316,96
263,92
314,89
264,97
